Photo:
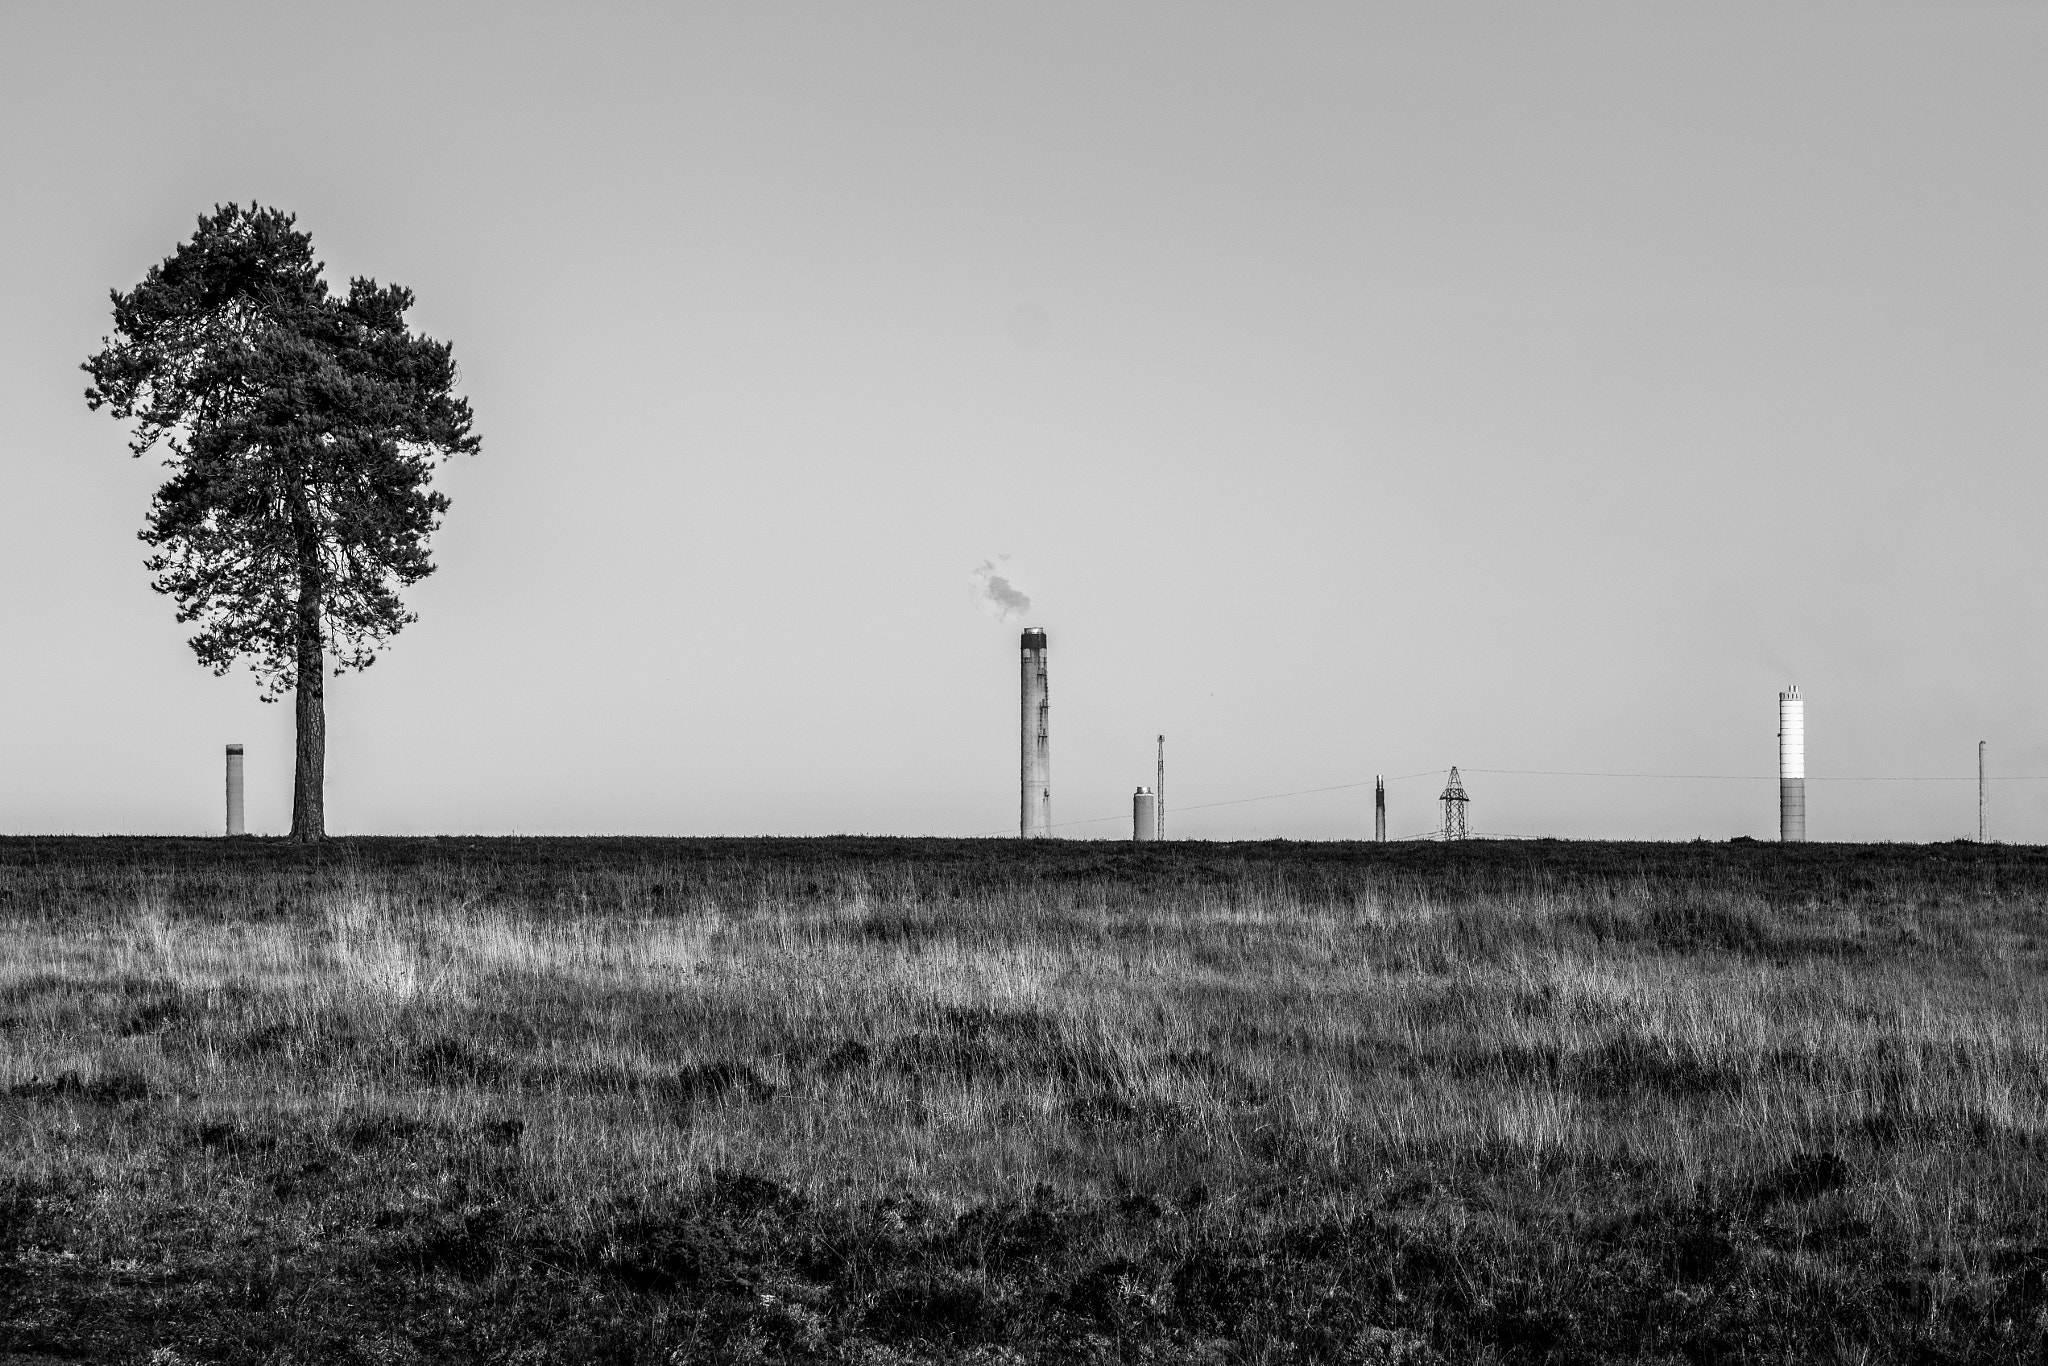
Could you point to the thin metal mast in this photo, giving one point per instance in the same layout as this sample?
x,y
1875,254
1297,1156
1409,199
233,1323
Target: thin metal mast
x,y
1159,787
1379,808
1983,799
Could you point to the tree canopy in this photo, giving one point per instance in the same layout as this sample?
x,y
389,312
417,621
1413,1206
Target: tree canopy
x,y
303,430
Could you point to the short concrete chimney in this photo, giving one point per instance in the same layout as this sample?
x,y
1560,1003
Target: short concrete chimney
x,y
235,822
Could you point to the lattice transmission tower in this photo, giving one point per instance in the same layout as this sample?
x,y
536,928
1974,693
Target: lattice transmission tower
x,y
1454,800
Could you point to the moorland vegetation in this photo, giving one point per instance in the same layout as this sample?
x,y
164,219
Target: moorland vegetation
x,y
905,1101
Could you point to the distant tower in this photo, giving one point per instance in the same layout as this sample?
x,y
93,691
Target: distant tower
x,y
1791,766
1160,789
1379,809
1454,800
1034,819
1144,816
236,825
1983,800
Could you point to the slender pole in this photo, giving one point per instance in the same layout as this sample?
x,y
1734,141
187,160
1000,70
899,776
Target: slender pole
x,y
1983,799
1159,788
1379,809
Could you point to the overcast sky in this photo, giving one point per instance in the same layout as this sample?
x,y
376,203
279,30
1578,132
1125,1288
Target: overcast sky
x,y
1353,388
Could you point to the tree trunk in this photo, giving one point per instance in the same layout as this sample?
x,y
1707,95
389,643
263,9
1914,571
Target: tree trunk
x,y
309,778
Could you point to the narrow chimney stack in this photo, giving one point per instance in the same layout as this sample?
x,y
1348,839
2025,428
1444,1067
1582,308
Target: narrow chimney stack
x,y
1034,820
236,825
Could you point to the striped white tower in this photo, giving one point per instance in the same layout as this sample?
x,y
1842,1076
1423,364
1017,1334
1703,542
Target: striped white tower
x,y
1034,816
1791,766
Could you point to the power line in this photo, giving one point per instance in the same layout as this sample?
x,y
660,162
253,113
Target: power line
x,y
1762,777
2007,778
1686,777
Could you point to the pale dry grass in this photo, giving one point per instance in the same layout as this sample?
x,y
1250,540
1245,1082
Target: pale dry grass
x,y
982,1047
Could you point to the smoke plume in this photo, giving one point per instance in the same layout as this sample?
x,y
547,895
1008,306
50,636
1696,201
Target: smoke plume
x,y
992,591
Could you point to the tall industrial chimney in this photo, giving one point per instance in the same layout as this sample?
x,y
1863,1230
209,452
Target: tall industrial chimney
x,y
235,822
1034,820
1379,809
1144,816
1791,766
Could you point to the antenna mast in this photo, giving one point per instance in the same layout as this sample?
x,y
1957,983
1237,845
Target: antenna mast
x,y
1454,800
1159,787
1983,799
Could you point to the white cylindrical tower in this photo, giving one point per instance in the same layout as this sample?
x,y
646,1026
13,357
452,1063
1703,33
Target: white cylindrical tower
x,y
235,823
1144,816
1034,818
1791,766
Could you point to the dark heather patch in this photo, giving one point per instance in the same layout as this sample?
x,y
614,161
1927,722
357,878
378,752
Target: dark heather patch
x,y
932,1305
983,1044
850,1056
1629,1065
897,928
703,1083
663,1255
1130,1117
502,1133
227,1137
1118,1294
152,1017
747,1193
450,1062
107,1090
464,1245
367,1133
270,1038
1808,1176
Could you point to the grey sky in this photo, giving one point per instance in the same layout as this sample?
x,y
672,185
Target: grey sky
x,y
1355,388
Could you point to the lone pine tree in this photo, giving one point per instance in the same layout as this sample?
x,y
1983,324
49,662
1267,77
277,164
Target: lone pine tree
x,y
302,431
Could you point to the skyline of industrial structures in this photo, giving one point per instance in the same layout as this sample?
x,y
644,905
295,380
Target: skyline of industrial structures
x,y
1148,807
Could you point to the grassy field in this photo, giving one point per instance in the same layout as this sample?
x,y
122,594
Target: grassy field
x,y
893,1101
